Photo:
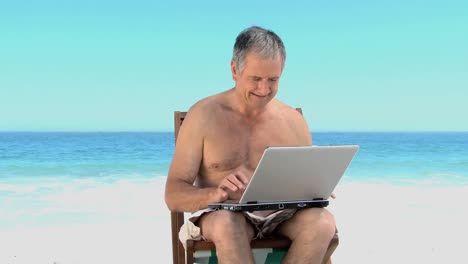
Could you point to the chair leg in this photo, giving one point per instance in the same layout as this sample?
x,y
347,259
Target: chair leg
x,y
331,248
189,253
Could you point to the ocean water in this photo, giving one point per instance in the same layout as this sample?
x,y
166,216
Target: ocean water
x,y
405,158
395,158
62,178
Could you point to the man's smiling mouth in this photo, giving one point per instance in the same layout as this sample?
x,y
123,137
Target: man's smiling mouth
x,y
260,96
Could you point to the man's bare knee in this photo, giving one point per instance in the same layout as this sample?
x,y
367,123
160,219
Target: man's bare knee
x,y
224,225
326,223
322,223
310,221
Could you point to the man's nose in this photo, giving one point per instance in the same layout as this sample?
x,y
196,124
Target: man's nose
x,y
263,88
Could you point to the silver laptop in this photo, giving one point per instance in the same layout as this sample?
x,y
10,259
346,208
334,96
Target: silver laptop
x,y
294,177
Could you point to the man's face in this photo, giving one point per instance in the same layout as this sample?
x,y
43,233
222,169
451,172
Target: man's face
x,y
258,81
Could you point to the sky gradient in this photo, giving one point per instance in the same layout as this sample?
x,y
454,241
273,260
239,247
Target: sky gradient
x,y
126,66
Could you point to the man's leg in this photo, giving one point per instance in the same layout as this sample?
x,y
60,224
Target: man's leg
x,y
310,231
231,233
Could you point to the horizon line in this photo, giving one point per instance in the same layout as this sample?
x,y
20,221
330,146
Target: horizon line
x,y
172,131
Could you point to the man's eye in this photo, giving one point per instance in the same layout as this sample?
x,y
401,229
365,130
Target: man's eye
x,y
273,80
257,79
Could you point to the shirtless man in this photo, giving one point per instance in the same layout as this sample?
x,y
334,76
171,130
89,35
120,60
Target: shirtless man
x,y
221,142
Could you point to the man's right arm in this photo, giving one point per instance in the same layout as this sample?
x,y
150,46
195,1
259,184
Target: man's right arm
x,y
180,194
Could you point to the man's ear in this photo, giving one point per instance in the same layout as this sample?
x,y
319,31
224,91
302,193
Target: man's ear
x,y
234,70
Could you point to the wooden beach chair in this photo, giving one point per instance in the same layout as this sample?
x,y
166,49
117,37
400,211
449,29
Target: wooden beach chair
x,y
265,250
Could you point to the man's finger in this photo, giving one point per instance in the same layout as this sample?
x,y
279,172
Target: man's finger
x,y
223,195
229,185
241,176
235,180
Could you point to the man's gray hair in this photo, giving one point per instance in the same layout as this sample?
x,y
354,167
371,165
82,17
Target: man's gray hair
x,y
261,41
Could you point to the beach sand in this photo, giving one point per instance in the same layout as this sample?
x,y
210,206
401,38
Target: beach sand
x,y
377,223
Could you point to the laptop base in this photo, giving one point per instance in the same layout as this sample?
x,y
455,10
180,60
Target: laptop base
x,y
260,206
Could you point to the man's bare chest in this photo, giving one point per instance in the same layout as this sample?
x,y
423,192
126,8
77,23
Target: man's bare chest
x,y
236,147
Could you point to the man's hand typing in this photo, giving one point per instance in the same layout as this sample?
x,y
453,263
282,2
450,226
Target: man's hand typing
x,y
231,187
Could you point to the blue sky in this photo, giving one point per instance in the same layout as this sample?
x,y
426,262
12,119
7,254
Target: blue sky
x,y
126,66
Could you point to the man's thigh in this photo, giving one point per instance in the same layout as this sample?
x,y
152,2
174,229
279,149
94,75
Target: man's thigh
x,y
307,221
224,223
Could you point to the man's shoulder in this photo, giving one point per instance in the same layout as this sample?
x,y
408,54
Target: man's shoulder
x,y
283,108
207,105
296,120
204,111
290,114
